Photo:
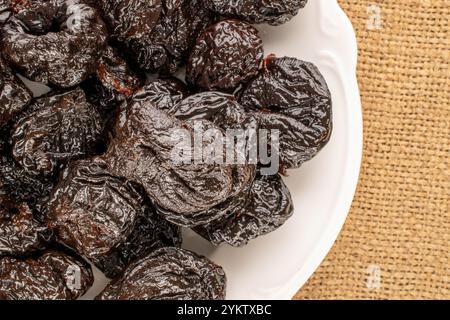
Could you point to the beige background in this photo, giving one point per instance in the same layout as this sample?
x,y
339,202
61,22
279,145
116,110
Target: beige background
x,y
397,237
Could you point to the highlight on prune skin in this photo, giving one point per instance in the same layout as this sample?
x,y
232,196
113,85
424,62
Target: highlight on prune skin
x,y
60,128
51,275
14,95
113,83
274,12
261,209
56,42
20,233
226,55
168,274
292,96
105,218
146,150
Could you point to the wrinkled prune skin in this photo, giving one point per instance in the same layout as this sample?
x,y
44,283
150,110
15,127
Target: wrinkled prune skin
x,y
144,151
292,96
164,93
52,275
5,11
105,218
56,42
14,95
20,186
226,55
274,12
169,274
114,82
20,233
262,209
62,127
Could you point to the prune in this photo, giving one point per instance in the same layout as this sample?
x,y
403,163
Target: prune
x,y
105,218
14,95
5,10
57,42
169,274
292,96
274,12
114,82
225,56
145,151
158,33
62,127
261,209
52,275
20,233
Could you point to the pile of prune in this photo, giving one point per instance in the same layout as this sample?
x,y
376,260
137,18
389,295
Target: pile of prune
x,y
161,115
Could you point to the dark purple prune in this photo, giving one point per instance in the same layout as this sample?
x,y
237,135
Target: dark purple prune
x,y
274,12
62,127
52,275
291,96
169,274
114,82
20,233
105,218
57,42
226,55
14,95
5,11
265,207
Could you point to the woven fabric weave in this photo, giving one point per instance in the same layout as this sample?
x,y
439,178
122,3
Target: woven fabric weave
x,y
396,241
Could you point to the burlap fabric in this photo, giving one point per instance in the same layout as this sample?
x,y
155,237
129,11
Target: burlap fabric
x,y
396,241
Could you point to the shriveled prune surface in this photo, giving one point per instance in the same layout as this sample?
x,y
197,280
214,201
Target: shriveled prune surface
x,y
265,207
292,96
146,150
225,56
20,233
169,274
61,127
14,95
113,83
106,219
57,42
52,275
274,12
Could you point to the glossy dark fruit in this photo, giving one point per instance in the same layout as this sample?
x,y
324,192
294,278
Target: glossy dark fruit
x,y
113,83
14,95
57,42
62,127
20,233
147,150
5,11
52,275
164,93
261,209
274,12
292,96
20,186
105,218
226,55
169,274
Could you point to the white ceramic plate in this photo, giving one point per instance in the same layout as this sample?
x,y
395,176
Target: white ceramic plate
x,y
276,266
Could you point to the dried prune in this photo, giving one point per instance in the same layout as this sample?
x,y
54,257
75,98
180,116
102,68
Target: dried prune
x,y
14,95
105,218
57,42
20,233
169,273
114,82
62,127
52,275
291,96
225,56
274,12
5,11
265,207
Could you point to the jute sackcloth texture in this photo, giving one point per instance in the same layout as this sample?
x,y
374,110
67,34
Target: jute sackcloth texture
x,y
396,241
